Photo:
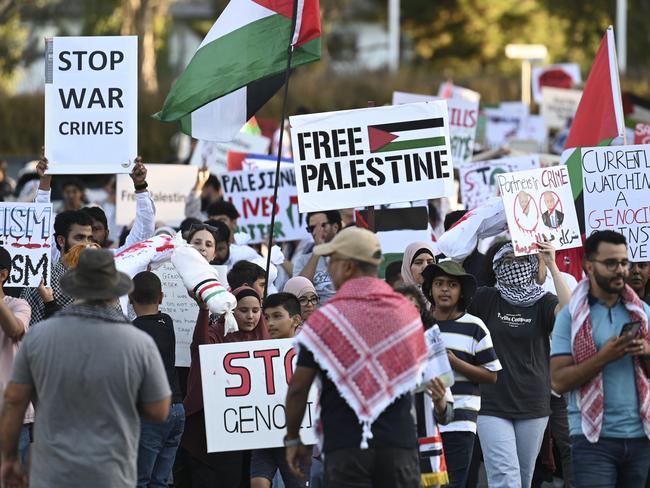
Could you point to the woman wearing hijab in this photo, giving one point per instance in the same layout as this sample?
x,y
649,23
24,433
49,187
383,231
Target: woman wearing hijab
x,y
520,317
417,256
304,290
223,469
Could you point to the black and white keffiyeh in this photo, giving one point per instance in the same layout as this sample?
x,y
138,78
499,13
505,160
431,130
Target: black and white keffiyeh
x,y
516,278
36,302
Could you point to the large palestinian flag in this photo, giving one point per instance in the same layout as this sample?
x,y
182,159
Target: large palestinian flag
x,y
240,65
598,121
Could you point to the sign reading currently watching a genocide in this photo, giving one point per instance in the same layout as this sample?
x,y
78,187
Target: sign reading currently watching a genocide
x,y
91,104
244,388
26,232
616,190
372,156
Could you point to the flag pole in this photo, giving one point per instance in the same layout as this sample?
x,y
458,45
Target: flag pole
x,y
285,98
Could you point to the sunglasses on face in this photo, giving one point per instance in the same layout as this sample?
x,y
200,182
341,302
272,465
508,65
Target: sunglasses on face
x,y
209,228
312,228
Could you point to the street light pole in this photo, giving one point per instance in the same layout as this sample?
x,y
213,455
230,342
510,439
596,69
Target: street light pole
x,y
621,34
393,35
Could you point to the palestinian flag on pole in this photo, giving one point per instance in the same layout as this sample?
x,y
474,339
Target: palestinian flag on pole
x,y
598,121
400,136
240,65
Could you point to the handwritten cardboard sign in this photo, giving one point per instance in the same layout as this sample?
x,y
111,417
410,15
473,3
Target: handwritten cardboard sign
x,y
244,388
478,181
539,205
26,232
616,191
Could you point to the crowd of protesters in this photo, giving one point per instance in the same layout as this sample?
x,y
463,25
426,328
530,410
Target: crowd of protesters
x,y
541,373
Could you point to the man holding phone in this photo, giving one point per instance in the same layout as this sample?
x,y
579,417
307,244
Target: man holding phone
x,y
599,355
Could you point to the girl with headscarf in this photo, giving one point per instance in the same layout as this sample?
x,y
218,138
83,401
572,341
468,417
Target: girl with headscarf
x,y
417,256
520,317
224,469
304,290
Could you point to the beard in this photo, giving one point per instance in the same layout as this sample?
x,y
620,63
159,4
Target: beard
x,y
606,283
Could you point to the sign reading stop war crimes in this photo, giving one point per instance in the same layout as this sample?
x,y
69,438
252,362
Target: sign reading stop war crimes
x,y
539,205
252,193
91,104
372,156
616,191
478,181
26,232
244,388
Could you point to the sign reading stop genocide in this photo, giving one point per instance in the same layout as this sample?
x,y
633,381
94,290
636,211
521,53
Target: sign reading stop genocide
x,y
91,104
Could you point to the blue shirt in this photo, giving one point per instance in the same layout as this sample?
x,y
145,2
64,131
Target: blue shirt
x,y
621,410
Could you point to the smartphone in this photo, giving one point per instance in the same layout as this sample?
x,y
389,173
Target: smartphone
x,y
631,329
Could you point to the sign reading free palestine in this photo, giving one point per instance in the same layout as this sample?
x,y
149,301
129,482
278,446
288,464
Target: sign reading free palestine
x,y
372,156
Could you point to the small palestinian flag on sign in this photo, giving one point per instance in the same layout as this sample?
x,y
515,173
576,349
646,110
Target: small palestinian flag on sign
x,y
400,136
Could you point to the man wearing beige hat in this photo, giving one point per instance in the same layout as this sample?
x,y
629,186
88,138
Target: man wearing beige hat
x,y
93,375
367,347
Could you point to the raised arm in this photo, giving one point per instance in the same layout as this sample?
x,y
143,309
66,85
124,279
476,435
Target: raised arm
x,y
144,224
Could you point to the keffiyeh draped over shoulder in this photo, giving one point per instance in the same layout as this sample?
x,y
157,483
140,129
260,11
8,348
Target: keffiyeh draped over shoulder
x,y
370,342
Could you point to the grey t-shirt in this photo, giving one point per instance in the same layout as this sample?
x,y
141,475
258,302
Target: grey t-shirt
x,y
88,376
322,281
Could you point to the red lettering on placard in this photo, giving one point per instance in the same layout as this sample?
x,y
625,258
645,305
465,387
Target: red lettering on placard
x,y
245,387
268,356
288,364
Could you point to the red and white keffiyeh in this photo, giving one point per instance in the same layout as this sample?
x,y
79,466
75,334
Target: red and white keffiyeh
x,y
370,342
590,396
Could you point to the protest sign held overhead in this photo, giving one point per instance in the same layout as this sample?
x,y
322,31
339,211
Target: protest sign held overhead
x,y
169,183
27,236
616,190
478,181
559,105
91,104
214,155
563,76
463,117
252,193
244,388
539,205
379,155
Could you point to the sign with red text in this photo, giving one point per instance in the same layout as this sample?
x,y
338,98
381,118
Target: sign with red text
x,y
26,231
642,133
372,156
478,180
616,191
539,205
252,193
244,389
463,116
91,104
564,76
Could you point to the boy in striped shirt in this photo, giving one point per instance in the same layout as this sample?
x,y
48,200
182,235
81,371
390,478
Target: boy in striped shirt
x,y
471,355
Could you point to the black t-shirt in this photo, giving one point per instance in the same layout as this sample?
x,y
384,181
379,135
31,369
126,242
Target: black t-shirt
x,y
161,327
521,340
395,427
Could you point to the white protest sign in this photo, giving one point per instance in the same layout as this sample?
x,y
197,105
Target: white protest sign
x,y
478,181
244,388
558,106
252,194
450,91
181,308
169,184
91,104
539,204
616,191
372,156
504,123
256,161
563,76
214,155
463,116
26,233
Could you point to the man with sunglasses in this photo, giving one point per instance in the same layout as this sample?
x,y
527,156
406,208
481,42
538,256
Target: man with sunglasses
x,y
323,226
599,355
638,279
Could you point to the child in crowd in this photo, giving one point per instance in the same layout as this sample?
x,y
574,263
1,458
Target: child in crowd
x,y
282,314
245,273
158,441
471,356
